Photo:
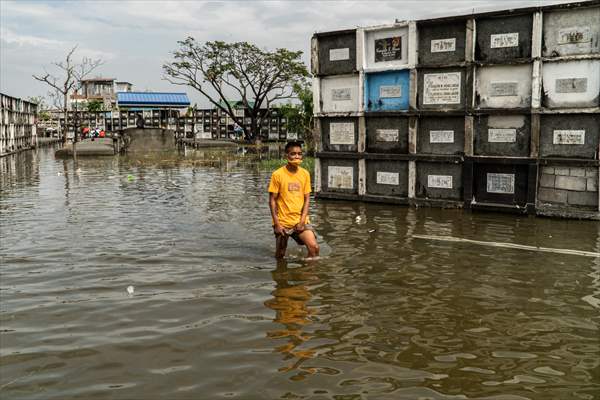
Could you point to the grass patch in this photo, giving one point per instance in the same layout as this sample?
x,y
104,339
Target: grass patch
x,y
272,164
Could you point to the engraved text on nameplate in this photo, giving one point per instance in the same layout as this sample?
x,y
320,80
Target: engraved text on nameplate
x,y
569,137
390,91
441,136
439,181
387,135
343,94
571,85
574,35
441,88
339,54
443,45
504,40
341,133
501,183
502,135
340,177
388,178
498,89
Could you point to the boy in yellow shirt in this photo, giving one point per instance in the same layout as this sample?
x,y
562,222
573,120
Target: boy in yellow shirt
x,y
289,197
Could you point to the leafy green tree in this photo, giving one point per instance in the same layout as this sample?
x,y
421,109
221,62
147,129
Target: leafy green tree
x,y
94,105
300,115
259,77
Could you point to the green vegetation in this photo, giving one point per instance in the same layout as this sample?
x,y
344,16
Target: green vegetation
x,y
260,78
94,106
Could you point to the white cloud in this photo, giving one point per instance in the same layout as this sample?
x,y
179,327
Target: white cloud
x,y
136,37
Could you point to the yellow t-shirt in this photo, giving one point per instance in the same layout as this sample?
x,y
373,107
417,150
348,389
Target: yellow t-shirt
x,y
291,188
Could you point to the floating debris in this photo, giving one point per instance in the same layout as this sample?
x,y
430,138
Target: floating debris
x,y
358,219
372,230
130,290
130,177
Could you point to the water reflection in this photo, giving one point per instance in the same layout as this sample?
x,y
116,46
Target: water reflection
x,y
290,303
383,314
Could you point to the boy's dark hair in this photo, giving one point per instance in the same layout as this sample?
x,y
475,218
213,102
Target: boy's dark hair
x,y
294,143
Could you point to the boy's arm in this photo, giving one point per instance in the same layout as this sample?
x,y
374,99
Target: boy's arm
x,y
300,225
306,189
273,207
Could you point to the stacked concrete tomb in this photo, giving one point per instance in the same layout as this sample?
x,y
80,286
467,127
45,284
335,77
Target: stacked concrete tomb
x,y
493,111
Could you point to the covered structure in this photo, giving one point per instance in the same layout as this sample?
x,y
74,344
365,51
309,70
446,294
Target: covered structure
x,y
154,100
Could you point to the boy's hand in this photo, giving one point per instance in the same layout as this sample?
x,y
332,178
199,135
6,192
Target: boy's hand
x,y
278,229
299,227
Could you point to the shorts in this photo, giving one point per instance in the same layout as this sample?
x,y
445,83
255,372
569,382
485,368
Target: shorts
x,y
296,235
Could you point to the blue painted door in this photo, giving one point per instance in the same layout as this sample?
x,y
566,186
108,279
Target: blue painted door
x,y
387,91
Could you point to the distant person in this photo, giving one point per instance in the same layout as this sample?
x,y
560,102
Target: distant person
x,y
139,123
289,197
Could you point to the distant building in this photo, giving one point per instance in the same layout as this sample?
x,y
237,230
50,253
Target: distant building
x,y
98,89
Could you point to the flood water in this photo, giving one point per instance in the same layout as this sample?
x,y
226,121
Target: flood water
x,y
385,314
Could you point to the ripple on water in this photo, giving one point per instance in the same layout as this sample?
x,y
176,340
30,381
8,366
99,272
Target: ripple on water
x,y
381,316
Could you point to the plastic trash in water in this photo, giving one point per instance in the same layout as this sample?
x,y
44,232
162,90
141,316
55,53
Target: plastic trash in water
x,y
78,170
372,230
58,174
130,290
358,219
130,177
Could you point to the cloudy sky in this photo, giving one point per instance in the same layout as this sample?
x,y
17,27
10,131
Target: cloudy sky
x,y
135,38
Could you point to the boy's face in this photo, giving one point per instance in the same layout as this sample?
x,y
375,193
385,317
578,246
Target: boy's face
x,y
294,155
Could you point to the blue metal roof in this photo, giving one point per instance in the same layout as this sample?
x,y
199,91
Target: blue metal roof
x,y
152,99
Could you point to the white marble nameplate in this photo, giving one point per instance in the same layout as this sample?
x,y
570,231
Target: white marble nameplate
x,y
439,181
443,45
501,183
504,40
341,133
441,88
502,135
387,135
569,137
339,54
441,136
388,178
340,177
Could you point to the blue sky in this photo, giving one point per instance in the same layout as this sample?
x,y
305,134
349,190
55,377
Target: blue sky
x,y
134,38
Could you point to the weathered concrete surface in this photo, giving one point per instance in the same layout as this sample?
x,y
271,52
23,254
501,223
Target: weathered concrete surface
x,y
337,53
150,140
585,125
441,135
439,181
442,43
339,175
502,135
571,32
387,178
387,134
88,148
340,134
491,47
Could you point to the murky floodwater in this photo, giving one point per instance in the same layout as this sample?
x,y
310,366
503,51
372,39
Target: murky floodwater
x,y
384,315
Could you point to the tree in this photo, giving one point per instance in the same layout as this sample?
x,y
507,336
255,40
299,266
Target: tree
x,y
71,74
258,77
300,116
95,105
